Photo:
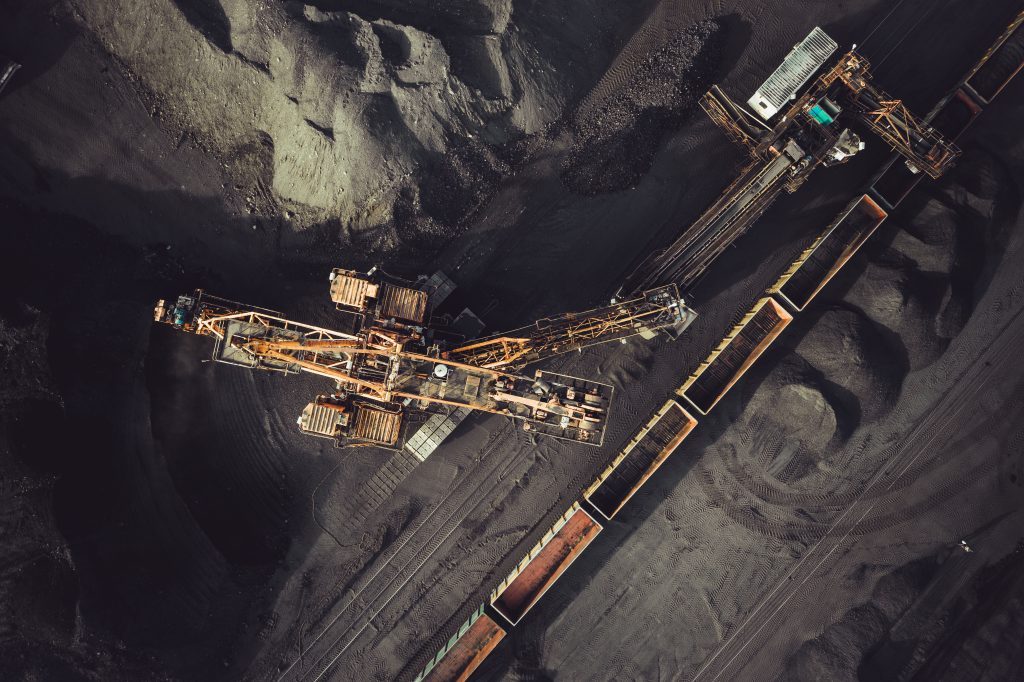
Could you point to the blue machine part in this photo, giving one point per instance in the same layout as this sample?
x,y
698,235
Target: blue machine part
x,y
820,115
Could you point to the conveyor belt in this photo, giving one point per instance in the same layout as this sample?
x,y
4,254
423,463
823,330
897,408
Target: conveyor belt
x,y
729,217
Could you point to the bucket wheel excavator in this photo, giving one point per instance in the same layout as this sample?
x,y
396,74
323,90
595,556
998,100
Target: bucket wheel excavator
x,y
395,363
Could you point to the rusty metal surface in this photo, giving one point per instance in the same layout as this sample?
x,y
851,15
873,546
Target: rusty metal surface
x,y
350,291
377,426
402,303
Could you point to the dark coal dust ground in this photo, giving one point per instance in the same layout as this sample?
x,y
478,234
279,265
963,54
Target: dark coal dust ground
x,y
162,519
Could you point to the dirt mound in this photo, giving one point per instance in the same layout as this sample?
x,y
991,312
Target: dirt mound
x,y
805,413
443,200
934,224
208,17
855,353
905,302
460,183
792,425
23,361
978,183
789,419
363,104
947,616
836,653
351,106
912,252
941,251
616,141
38,585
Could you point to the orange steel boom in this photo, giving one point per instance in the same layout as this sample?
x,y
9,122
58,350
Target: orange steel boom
x,y
655,309
922,146
386,367
371,369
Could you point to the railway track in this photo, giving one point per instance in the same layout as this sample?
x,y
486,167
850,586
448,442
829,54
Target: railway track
x,y
379,590
377,490
751,633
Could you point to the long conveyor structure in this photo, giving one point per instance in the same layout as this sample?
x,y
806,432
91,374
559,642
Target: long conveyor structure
x,y
739,206
660,308
394,362
786,144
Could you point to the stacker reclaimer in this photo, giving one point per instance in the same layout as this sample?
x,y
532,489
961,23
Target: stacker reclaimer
x,y
394,362
807,134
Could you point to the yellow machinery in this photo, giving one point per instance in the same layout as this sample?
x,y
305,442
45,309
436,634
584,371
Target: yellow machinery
x,y
393,363
805,134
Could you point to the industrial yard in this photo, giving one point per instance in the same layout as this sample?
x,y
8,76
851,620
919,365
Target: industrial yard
x,y
551,358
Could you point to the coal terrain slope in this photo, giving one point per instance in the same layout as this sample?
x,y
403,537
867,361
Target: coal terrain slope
x,y
161,518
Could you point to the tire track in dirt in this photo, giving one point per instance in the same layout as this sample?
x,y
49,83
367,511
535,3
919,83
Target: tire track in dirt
x,y
760,522
256,466
944,415
445,580
763,521
424,634
999,352
766,491
489,548
377,490
379,589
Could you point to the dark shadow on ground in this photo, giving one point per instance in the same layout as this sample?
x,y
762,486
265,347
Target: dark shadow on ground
x,y
208,17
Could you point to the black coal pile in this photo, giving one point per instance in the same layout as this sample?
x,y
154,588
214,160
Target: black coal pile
x,y
462,182
616,142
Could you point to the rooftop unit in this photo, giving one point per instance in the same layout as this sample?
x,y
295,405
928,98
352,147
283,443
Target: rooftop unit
x,y
795,70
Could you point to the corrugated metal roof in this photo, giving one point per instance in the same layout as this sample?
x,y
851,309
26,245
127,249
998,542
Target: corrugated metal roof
x,y
377,426
321,420
798,66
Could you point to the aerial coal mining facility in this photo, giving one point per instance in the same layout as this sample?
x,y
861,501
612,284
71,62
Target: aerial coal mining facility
x,y
510,340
